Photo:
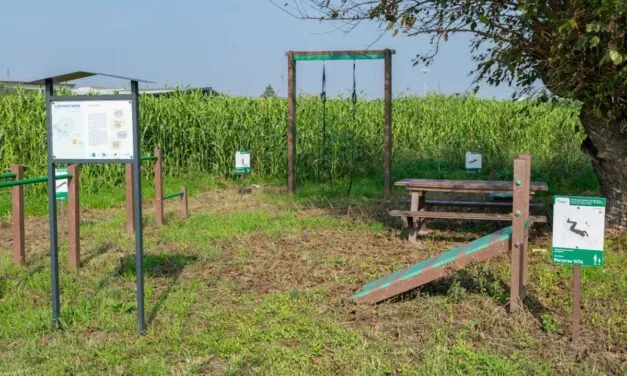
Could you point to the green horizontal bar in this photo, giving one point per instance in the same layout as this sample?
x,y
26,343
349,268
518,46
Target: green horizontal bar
x,y
7,175
172,195
340,57
42,179
149,158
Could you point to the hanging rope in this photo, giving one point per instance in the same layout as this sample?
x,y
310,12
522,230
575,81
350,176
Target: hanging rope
x,y
323,98
353,121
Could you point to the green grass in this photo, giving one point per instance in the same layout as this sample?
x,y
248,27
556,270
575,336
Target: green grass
x,y
258,284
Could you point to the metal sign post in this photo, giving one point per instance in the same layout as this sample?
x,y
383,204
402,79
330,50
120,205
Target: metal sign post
x,y
93,129
578,237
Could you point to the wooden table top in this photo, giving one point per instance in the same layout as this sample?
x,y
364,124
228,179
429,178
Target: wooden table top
x,y
473,186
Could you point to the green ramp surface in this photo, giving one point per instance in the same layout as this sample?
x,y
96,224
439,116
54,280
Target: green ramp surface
x,y
435,267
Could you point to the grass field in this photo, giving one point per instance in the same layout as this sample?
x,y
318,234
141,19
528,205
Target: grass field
x,y
259,283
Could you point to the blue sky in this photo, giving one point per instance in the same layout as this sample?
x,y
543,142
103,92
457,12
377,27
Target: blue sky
x,y
236,46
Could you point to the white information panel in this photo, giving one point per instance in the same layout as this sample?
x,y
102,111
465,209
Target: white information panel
x,y
473,160
578,230
242,161
92,129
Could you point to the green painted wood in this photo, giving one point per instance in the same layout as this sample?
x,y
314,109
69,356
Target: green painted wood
x,y
149,158
42,179
172,195
434,262
340,57
7,175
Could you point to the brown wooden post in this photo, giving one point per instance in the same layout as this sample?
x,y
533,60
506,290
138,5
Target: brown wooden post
x,y
519,225
417,203
291,123
74,220
387,135
184,202
576,303
525,253
130,213
159,187
17,217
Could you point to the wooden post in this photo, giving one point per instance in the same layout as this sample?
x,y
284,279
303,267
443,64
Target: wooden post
x,y
184,203
159,187
291,123
17,217
525,250
576,303
74,221
417,203
130,213
387,134
519,226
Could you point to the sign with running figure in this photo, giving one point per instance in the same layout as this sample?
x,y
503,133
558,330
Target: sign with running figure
x,y
242,162
578,230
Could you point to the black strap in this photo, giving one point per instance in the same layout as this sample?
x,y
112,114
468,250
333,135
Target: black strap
x,y
323,97
353,136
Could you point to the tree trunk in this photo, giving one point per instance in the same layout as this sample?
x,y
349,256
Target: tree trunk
x,y
606,144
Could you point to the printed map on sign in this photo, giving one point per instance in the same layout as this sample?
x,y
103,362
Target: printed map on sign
x,y
92,129
578,230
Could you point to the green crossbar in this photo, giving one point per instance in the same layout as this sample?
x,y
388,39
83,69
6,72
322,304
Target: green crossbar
x,y
340,57
149,158
7,175
172,195
448,257
42,179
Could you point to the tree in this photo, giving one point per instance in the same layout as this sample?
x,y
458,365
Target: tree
x,y
575,48
269,92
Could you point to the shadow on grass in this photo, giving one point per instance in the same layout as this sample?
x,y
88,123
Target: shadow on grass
x,y
165,265
98,251
475,279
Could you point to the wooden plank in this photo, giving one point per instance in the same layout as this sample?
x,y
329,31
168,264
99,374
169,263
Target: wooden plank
x,y
477,203
74,217
462,216
417,204
17,217
435,267
526,213
479,186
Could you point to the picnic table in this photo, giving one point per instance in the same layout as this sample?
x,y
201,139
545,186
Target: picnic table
x,y
413,219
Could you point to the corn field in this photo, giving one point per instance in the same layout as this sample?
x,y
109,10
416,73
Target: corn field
x,y
200,134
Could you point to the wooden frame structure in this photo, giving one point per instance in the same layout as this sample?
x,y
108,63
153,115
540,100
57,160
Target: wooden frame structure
x,y
513,239
292,58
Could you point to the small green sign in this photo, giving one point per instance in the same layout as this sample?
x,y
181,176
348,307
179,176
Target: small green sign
x,y
62,185
578,230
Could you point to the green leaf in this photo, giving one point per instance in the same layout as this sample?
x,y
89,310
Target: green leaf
x,y
483,19
594,41
617,57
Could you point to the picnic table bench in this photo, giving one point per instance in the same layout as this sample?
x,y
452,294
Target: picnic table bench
x,y
413,219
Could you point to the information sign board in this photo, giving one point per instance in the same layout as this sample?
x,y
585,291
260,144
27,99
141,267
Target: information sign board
x,y
578,230
242,161
92,130
473,161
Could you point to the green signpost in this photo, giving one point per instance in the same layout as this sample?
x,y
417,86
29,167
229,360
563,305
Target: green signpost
x,y
578,235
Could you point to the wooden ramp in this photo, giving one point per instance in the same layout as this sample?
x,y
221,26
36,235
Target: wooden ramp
x,y
436,267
